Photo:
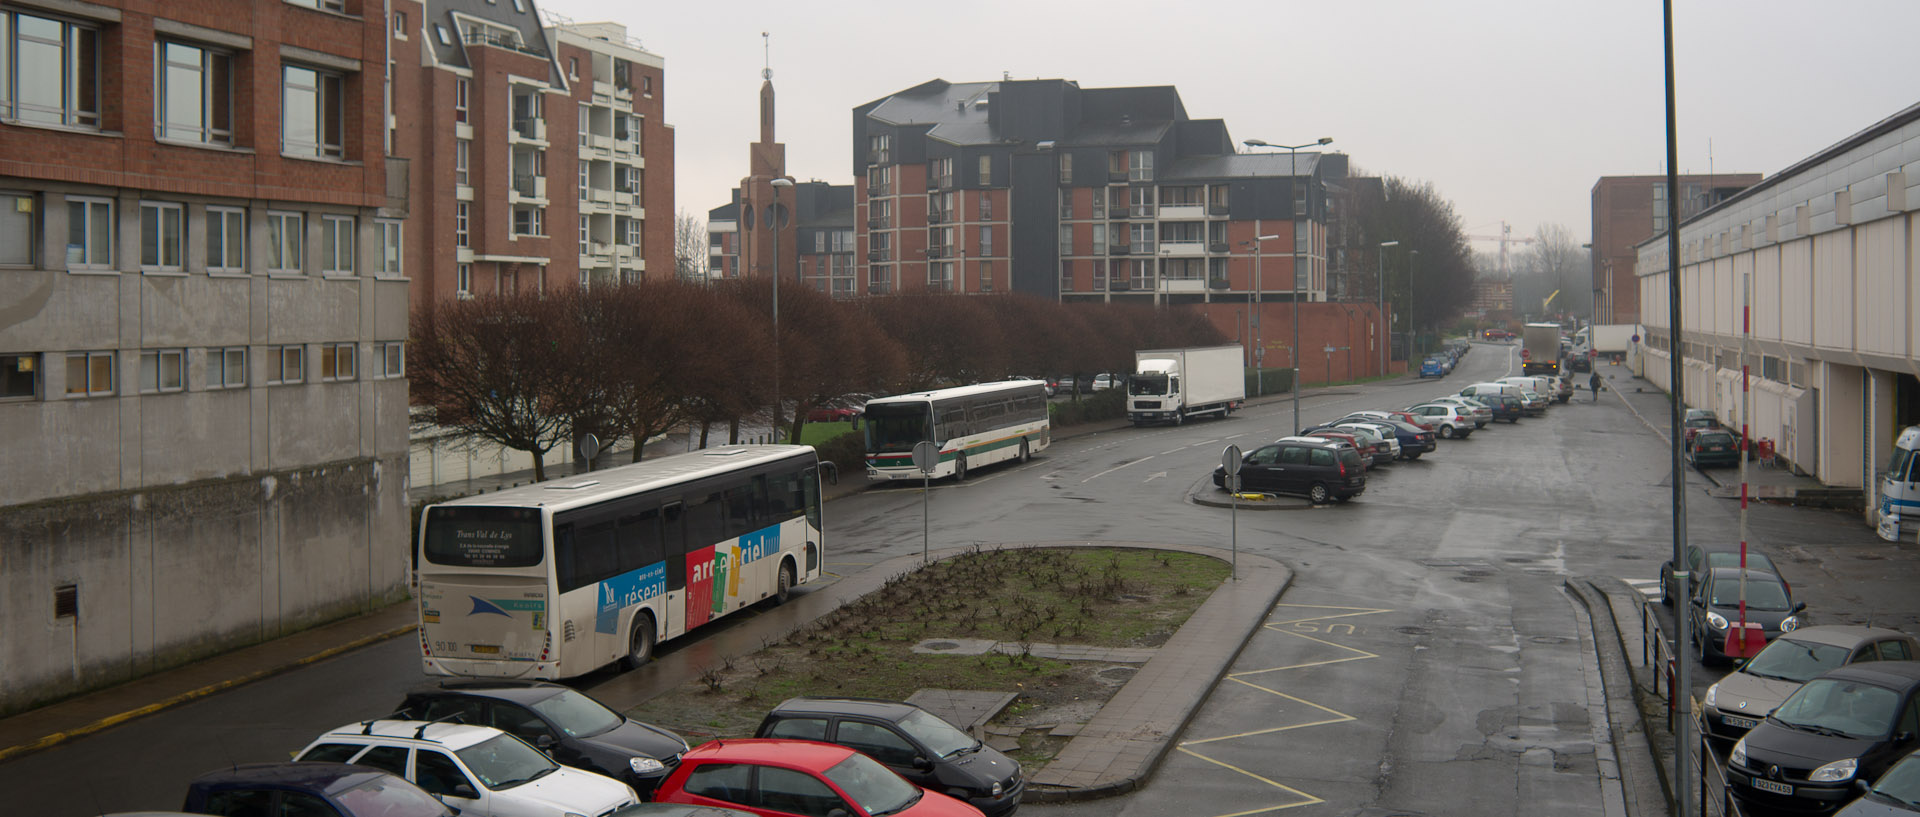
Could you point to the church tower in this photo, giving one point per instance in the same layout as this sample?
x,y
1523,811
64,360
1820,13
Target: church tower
x,y
761,213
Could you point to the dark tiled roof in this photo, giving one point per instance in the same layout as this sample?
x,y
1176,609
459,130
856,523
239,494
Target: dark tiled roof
x,y
1239,166
533,37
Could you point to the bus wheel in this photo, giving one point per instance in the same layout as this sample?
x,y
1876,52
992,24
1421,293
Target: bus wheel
x,y
640,649
1024,453
783,587
959,467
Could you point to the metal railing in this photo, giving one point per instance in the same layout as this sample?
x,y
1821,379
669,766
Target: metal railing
x,y
1661,658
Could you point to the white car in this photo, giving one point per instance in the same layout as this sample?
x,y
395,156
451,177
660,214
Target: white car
x,y
1104,381
1383,432
479,770
1481,413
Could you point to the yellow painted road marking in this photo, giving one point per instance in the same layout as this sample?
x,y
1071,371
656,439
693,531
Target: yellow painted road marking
x,y
1307,799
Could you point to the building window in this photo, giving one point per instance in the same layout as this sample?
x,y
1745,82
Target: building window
x,y
520,6
1066,276
89,374
313,112
19,377
193,94
285,234
585,179
1066,168
327,5
336,361
1099,239
635,230
399,25
227,368
585,128
986,207
1142,238
461,86
460,152
460,234
285,364
226,239
18,236
986,276
49,71
1141,199
986,241
940,276
391,246
573,68
1066,239
463,280
880,149
336,249
1140,166
90,233
390,359
585,245
163,370
529,221
986,170
162,234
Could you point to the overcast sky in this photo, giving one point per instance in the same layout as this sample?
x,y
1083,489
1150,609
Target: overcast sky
x,y
1511,108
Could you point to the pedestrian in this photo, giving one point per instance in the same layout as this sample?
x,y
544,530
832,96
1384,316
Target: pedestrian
x,y
1594,384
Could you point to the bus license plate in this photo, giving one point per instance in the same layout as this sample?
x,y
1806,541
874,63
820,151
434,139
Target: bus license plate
x,y
1768,785
485,649
1739,723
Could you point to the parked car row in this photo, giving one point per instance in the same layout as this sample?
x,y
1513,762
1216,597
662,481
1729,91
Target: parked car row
x,y
506,748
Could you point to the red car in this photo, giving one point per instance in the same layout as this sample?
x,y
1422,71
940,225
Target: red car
x,y
780,778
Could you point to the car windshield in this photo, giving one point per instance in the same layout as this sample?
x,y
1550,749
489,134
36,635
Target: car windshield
x,y
871,786
1713,438
578,715
1841,708
1731,558
504,761
1763,593
1796,661
387,796
896,426
940,737
1902,782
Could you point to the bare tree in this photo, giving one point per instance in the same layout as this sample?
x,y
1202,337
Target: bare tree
x,y
1554,262
690,247
494,368
1429,276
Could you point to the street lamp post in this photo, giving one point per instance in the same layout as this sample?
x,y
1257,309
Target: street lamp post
x,y
1293,152
1259,349
1413,331
1380,292
773,221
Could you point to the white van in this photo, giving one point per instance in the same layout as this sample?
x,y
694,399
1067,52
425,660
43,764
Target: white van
x,y
1900,488
1492,388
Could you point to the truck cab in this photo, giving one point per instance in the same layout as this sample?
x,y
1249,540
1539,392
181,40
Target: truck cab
x,y
1900,488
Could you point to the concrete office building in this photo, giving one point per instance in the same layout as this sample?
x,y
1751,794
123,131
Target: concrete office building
x,y
203,316
1825,248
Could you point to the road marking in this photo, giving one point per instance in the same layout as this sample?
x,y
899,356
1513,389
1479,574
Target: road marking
x,y
1155,475
1337,716
1116,468
1647,587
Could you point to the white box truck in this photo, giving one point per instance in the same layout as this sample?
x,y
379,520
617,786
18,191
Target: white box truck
x,y
1170,385
1900,488
1540,348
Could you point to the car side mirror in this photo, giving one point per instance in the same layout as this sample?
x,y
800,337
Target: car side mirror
x,y
465,791
1861,786
1799,606
544,743
920,763
1698,602
838,812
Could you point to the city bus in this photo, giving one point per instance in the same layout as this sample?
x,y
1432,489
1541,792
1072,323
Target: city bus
x,y
972,425
560,578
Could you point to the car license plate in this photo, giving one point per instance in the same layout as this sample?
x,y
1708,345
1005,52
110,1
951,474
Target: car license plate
x,y
1738,722
485,649
1768,785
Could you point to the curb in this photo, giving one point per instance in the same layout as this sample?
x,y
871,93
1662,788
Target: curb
x,y
116,719
1635,766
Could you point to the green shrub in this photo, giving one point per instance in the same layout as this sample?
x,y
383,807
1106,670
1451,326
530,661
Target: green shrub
x,y
1270,381
1110,404
848,451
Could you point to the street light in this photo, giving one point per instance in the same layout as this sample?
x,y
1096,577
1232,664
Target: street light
x,y
1380,292
1259,349
773,221
1413,332
1294,215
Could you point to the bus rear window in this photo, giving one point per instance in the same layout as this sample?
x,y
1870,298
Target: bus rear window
x,y
483,537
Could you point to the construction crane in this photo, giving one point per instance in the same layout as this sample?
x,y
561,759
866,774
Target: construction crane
x,y
1505,237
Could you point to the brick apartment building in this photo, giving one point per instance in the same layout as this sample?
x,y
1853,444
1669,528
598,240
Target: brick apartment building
x,y
203,314
541,149
814,220
1630,209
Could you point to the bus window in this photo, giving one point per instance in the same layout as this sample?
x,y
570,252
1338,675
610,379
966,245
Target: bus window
x,y
673,543
594,556
741,511
640,540
810,484
706,519
483,537
783,496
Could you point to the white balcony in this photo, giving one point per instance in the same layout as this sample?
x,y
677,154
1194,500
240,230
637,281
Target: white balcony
x,y
1182,249
600,143
600,195
528,130
1182,212
623,198
1183,285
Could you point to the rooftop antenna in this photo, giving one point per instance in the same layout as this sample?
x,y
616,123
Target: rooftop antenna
x,y
766,54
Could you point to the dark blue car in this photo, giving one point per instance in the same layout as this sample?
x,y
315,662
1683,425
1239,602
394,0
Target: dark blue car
x,y
1431,368
315,789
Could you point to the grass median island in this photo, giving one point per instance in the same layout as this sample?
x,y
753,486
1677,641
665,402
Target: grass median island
x,y
1102,597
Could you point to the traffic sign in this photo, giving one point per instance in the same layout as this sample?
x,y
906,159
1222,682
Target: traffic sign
x,y
926,455
1230,460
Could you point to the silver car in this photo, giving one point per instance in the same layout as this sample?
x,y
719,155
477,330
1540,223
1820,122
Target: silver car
x,y
1449,421
1481,413
1742,699
1380,432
